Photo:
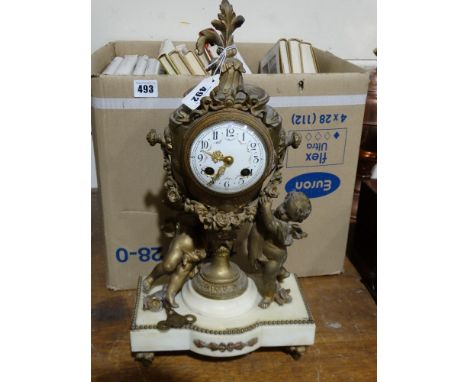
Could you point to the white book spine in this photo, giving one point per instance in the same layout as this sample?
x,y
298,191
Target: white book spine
x,y
295,54
140,67
153,67
112,67
166,47
126,66
308,64
159,68
182,48
285,64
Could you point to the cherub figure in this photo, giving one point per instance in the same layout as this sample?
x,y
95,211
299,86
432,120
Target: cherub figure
x,y
179,262
269,238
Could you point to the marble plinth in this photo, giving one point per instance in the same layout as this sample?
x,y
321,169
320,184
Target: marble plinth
x,y
225,328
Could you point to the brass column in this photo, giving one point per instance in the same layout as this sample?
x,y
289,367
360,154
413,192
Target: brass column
x,y
220,279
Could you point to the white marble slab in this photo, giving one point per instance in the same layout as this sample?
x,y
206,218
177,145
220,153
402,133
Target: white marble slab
x,y
243,327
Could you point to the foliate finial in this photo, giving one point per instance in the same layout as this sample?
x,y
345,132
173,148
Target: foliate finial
x,y
226,24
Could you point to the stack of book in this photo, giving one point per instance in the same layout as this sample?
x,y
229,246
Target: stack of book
x,y
286,56
133,64
179,60
289,56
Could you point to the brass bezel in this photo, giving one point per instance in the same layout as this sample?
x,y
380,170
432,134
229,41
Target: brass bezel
x,y
228,114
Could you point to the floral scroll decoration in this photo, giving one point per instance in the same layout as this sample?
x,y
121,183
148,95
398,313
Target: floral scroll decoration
x,y
217,220
250,99
222,347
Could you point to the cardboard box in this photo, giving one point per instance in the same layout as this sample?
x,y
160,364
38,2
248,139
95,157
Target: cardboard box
x,y
327,109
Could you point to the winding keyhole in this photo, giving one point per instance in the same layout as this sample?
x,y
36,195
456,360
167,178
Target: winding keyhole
x,y
209,171
246,172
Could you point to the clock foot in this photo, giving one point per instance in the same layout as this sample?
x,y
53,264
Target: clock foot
x,y
295,351
146,358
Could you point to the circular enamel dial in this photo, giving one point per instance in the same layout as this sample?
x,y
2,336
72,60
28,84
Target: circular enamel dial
x,y
228,157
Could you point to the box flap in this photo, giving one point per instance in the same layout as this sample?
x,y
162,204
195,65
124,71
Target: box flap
x,y
101,58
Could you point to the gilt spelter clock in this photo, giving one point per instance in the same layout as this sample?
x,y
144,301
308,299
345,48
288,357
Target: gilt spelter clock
x,y
223,161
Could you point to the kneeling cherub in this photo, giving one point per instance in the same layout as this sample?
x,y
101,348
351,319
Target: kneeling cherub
x,y
179,262
269,238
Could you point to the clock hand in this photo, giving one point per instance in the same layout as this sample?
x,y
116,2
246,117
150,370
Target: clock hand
x,y
216,156
228,160
218,174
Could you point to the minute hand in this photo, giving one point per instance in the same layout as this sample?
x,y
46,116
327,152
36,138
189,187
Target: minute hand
x,y
218,174
228,160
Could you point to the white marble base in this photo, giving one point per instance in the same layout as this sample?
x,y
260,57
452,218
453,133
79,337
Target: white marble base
x,y
225,328
207,307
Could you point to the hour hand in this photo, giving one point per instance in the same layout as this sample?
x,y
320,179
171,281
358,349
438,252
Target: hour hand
x,y
216,156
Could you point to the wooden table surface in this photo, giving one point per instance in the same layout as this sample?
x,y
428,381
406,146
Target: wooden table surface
x,y
345,342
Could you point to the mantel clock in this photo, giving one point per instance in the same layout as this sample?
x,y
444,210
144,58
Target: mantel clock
x,y
223,161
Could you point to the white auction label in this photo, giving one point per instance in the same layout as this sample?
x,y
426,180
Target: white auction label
x,y
192,100
145,88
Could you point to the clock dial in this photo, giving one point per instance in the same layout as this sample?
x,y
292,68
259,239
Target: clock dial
x,y
228,157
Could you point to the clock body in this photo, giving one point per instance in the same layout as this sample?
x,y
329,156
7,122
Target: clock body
x,y
226,156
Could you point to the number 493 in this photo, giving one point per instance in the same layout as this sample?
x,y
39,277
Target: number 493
x,y
145,89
